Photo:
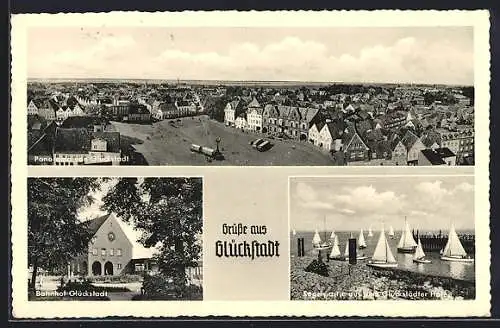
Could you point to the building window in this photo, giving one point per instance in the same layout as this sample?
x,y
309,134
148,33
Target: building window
x,y
139,267
119,266
94,251
118,252
111,251
103,251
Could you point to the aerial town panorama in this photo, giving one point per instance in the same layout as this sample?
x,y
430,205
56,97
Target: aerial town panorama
x,y
176,122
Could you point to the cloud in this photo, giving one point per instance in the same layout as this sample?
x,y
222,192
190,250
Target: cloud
x,y
308,198
347,211
366,199
432,190
464,187
407,60
291,58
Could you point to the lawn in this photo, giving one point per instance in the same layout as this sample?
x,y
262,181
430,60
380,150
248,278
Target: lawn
x,y
164,143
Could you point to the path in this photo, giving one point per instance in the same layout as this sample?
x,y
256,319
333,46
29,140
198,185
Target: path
x,y
121,296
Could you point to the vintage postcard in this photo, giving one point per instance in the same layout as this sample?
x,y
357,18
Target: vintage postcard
x,y
286,163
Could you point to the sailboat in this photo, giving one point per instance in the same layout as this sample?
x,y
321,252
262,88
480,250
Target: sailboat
x,y
454,251
419,256
318,244
361,240
407,244
332,235
370,233
335,253
382,257
391,232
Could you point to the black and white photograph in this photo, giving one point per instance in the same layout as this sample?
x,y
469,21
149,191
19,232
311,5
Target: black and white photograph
x,y
382,238
113,239
250,96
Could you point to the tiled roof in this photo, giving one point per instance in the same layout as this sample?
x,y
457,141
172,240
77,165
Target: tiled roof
x,y
409,140
444,152
433,157
73,140
254,103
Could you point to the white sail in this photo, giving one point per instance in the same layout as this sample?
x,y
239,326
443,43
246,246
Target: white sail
x,y
391,231
294,232
316,239
419,252
370,233
454,246
407,237
346,252
336,240
332,236
361,239
335,249
382,251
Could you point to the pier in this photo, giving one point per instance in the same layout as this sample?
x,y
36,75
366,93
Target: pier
x,y
437,242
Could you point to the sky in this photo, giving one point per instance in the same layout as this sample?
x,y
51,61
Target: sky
x,y
93,210
346,204
434,55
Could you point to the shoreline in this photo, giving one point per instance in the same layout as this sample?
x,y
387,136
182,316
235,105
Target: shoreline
x,y
360,282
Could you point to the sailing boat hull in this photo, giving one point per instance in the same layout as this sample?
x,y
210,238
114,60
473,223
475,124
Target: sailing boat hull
x,y
422,261
322,247
362,246
382,265
457,259
407,249
358,258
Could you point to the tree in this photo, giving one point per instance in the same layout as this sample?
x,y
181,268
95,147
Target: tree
x,y
169,212
55,235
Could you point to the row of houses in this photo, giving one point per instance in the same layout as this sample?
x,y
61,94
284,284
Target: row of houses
x,y
356,133
50,110
271,119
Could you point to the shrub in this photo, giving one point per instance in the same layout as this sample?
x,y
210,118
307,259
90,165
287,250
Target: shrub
x,y
317,266
162,287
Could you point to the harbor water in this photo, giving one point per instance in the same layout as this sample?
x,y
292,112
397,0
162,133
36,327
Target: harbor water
x,y
457,270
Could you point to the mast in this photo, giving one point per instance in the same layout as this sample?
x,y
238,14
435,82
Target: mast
x,y
406,237
324,227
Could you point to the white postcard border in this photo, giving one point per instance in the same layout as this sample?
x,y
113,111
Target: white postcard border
x,y
19,171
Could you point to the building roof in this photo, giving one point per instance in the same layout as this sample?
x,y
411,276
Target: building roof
x,y
409,139
254,104
72,140
433,157
444,152
336,129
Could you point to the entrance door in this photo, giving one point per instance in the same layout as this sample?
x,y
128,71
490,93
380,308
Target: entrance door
x,y
96,268
108,269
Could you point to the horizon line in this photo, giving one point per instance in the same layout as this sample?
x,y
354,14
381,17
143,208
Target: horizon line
x,y
220,81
